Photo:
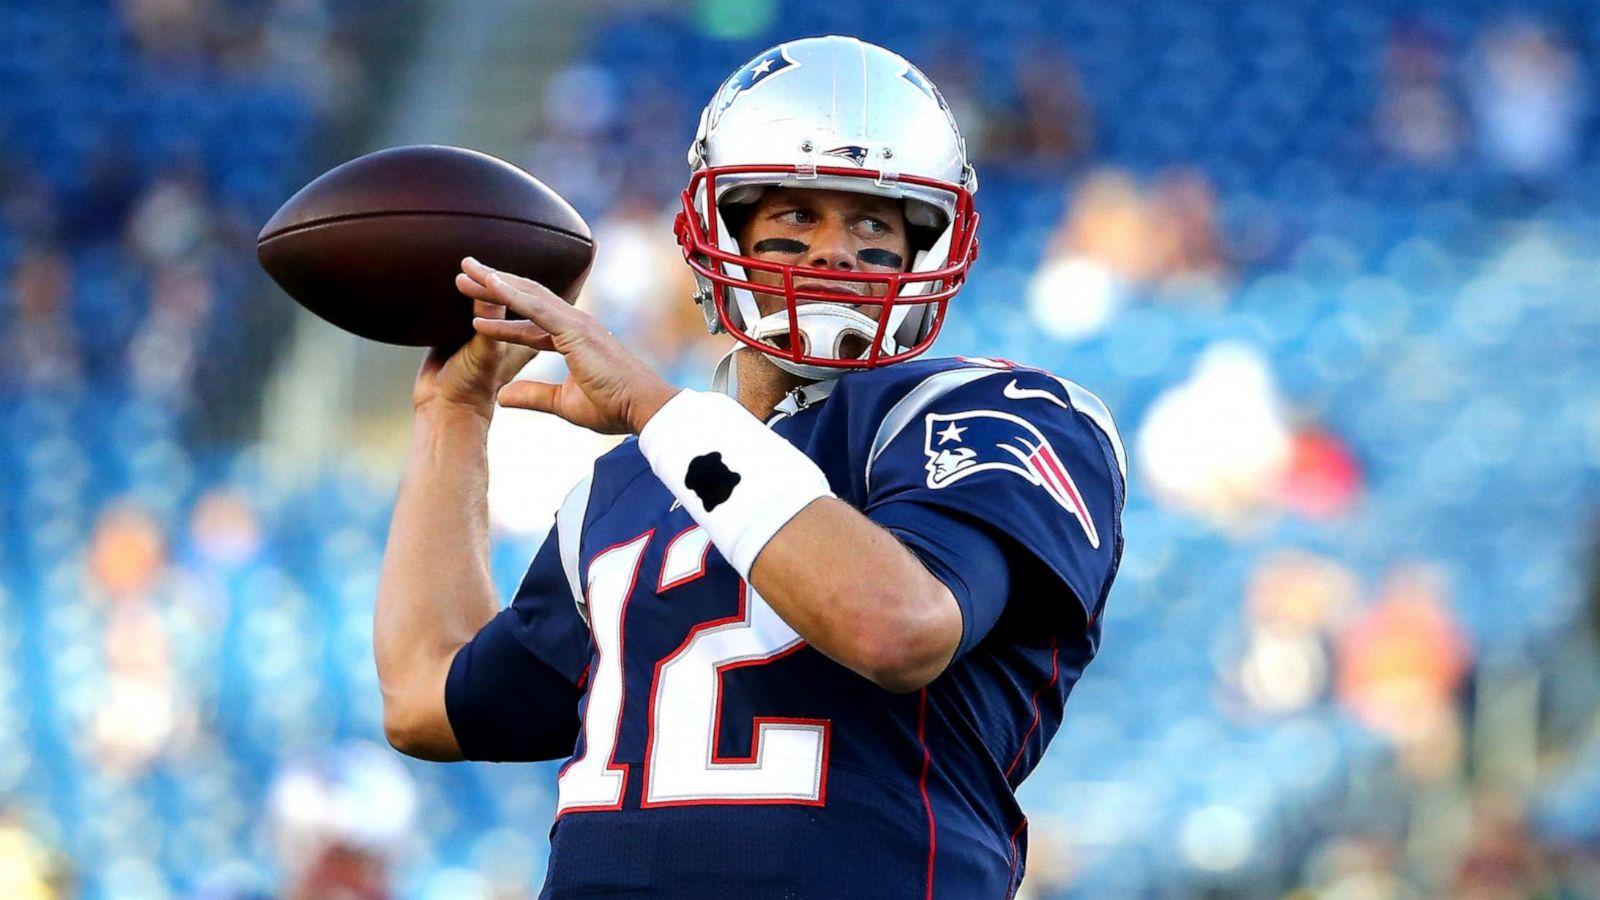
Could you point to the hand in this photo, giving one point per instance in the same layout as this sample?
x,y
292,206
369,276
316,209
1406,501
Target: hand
x,y
607,388
470,375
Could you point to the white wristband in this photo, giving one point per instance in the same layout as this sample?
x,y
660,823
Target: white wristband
x,y
710,452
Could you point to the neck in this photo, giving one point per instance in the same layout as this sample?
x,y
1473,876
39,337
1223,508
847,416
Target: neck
x,y
761,384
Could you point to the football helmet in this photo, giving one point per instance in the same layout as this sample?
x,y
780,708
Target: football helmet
x,y
829,113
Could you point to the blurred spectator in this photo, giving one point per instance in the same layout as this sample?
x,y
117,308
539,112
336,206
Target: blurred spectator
x,y
1527,101
1294,603
1401,667
224,533
168,31
1218,444
1502,861
28,870
1049,124
1117,239
1418,120
145,707
1095,254
1185,250
163,355
171,220
39,344
1323,480
340,822
642,291
1358,867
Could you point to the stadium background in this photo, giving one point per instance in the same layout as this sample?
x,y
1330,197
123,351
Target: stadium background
x,y
1333,265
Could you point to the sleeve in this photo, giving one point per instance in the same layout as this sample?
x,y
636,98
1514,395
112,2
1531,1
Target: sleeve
x,y
1000,481
513,690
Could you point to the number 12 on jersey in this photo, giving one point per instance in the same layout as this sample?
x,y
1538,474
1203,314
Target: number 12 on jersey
x,y
788,758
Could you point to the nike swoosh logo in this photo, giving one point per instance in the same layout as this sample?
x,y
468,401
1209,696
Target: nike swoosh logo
x,y
675,505
1021,393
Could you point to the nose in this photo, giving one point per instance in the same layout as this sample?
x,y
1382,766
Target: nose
x,y
831,247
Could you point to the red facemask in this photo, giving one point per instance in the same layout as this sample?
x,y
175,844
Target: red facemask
x,y
926,292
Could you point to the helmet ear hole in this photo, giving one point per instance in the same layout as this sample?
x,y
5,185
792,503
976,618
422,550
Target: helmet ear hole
x,y
736,216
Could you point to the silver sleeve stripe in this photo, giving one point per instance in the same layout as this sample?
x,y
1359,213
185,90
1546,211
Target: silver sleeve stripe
x,y
1090,405
902,413
569,530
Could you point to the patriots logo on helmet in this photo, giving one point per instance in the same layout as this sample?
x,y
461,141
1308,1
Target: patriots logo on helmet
x,y
754,73
855,154
967,443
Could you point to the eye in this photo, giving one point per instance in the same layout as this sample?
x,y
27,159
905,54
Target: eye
x,y
874,227
797,216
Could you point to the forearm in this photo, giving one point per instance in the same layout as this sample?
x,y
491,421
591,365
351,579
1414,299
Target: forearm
x,y
435,591
870,604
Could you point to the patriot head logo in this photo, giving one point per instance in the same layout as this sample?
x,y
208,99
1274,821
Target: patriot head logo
x,y
981,440
852,152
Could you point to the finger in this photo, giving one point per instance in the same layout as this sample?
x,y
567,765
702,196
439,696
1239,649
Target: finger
x,y
534,395
528,299
476,291
522,332
483,309
482,272
552,315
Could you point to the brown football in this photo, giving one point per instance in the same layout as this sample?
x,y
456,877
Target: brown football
x,y
374,245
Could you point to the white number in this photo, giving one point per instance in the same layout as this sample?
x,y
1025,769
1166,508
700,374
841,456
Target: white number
x,y
681,763
788,758
591,781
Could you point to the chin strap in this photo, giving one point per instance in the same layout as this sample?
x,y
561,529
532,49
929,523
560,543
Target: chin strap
x,y
824,328
725,378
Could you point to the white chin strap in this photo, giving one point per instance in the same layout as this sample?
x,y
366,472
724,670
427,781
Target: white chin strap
x,y
824,328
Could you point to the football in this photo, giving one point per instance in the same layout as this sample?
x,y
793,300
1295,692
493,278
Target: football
x,y
374,245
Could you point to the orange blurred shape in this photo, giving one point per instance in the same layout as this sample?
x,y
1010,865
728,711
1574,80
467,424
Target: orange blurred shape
x,y
1402,661
127,552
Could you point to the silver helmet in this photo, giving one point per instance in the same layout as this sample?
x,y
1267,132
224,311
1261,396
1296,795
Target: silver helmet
x,y
831,113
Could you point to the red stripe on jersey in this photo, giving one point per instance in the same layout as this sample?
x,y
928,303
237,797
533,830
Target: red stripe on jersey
x,y
1065,483
1055,672
1014,861
927,804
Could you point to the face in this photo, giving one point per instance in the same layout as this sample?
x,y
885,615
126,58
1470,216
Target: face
x,y
840,231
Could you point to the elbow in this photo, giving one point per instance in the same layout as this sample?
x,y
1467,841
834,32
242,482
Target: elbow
x,y
906,651
416,732
401,731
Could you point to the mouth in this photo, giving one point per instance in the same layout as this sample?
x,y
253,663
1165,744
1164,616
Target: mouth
x,y
830,287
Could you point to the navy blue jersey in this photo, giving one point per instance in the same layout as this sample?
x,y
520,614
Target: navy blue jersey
x,y
713,753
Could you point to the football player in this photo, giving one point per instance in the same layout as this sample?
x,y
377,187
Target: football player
x,y
806,634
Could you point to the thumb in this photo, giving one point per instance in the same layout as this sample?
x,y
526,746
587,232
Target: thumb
x,y
535,395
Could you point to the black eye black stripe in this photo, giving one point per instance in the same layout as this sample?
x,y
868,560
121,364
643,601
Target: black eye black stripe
x,y
780,245
872,256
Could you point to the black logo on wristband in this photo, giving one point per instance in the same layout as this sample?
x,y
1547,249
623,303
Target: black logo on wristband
x,y
710,479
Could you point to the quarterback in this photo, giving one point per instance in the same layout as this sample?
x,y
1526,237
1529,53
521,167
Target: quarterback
x,y
804,635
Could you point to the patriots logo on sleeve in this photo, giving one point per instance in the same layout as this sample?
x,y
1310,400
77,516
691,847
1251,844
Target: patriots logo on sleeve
x,y
965,443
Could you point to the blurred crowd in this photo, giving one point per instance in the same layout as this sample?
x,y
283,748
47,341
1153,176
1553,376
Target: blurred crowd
x,y
1336,283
